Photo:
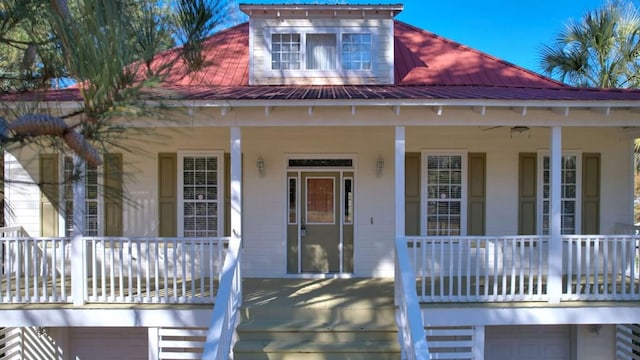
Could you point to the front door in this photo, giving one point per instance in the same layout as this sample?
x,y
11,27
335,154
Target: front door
x,y
318,226
320,236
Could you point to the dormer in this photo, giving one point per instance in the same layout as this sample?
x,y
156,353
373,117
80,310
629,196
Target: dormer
x,y
311,44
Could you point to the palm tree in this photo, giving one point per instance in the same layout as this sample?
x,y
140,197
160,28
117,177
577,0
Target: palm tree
x,y
600,50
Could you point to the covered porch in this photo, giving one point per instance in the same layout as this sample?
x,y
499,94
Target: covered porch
x,y
447,269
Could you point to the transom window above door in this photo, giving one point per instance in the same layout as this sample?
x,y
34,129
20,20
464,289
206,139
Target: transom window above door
x,y
326,51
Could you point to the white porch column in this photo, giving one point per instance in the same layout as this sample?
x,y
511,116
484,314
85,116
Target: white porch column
x,y
154,346
399,188
478,342
236,183
77,246
554,288
399,180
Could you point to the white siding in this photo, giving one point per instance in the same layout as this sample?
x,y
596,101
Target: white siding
x,y
22,196
382,51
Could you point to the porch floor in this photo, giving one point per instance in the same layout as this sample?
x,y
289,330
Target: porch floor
x,y
327,293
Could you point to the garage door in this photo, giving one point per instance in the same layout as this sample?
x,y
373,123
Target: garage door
x,y
108,343
528,342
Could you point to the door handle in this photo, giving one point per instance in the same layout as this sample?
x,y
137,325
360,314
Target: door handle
x,y
303,230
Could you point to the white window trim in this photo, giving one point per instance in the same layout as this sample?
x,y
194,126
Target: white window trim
x,y
180,193
540,189
423,188
338,31
62,230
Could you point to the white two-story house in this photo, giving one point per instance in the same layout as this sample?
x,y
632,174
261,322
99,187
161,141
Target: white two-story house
x,y
333,184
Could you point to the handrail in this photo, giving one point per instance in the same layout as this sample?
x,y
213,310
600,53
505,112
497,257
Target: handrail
x,y
18,230
225,311
411,328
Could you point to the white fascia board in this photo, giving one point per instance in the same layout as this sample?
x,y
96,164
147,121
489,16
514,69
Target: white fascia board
x,y
475,103
93,317
600,104
530,315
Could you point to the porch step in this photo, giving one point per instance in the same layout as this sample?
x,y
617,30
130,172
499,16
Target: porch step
x,y
319,326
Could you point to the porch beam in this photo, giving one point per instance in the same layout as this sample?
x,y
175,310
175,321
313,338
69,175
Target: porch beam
x,y
555,217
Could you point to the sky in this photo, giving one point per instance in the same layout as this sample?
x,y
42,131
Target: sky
x,y
512,30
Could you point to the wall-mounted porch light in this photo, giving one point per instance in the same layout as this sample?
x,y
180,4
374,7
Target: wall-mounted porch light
x,y
260,166
379,166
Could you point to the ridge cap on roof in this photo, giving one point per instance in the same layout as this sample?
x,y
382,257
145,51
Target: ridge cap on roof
x,y
479,52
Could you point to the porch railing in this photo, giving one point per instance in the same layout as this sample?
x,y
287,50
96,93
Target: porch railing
x,y
112,269
153,270
225,317
503,268
411,333
34,270
600,267
453,269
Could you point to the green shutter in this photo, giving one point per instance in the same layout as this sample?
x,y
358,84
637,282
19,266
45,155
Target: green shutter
x,y
476,193
49,195
590,193
412,193
527,193
113,194
167,194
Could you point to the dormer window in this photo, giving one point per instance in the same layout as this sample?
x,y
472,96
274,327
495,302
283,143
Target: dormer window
x,y
285,52
319,51
356,51
313,44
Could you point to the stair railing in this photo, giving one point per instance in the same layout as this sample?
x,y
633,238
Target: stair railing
x,y
411,334
221,333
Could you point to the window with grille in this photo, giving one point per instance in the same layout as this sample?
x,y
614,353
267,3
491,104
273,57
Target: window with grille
x,y
322,51
356,51
570,178
92,199
200,195
285,52
445,174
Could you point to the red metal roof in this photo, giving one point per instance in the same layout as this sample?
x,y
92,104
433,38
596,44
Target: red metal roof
x,y
424,58
427,67
226,58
